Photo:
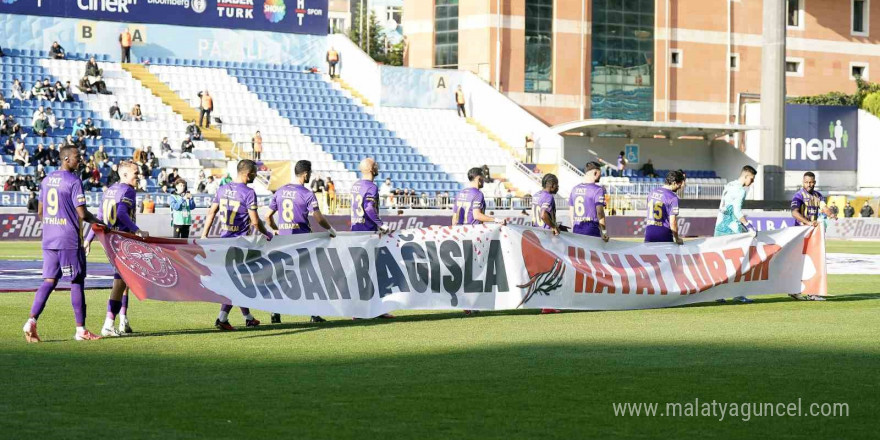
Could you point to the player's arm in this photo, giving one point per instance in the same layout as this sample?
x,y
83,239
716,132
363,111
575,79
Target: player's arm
x,y
270,220
40,211
255,220
739,215
123,218
372,212
600,216
799,216
548,220
212,212
479,216
87,242
825,209
673,225
86,216
319,217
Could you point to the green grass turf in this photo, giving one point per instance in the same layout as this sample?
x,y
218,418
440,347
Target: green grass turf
x,y
440,375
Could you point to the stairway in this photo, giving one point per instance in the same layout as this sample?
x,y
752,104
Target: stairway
x,y
354,93
181,107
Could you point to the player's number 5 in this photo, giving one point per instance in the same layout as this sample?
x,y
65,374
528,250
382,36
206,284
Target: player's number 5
x,y
658,210
229,208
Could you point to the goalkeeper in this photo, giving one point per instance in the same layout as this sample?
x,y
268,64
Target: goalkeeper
x,y
731,219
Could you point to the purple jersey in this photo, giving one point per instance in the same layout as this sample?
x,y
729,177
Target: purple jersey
x,y
662,203
118,207
543,202
293,204
365,206
584,199
61,193
235,200
466,202
807,203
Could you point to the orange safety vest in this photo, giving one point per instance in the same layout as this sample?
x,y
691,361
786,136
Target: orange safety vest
x,y
207,102
126,39
459,97
149,207
258,144
333,55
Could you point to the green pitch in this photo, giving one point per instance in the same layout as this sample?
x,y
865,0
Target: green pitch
x,y
441,375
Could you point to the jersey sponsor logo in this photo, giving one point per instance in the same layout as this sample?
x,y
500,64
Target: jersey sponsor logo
x,y
544,268
146,261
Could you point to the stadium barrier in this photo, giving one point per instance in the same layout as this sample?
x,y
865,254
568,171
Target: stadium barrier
x,y
483,267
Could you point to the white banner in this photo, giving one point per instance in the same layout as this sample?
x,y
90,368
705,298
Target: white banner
x,y
482,268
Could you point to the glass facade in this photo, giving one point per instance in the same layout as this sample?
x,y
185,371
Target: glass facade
x,y
446,34
622,70
539,46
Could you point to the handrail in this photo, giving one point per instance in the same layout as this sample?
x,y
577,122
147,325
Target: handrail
x,y
572,168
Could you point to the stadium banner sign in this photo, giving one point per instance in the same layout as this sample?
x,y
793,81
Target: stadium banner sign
x,y
486,267
821,138
289,16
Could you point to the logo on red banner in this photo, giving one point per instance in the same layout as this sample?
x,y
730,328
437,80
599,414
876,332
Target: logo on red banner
x,y
544,269
146,261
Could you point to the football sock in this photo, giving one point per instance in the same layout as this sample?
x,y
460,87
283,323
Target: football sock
x,y
113,307
224,316
246,312
41,297
124,305
78,301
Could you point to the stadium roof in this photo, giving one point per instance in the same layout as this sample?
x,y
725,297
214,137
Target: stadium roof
x,y
649,129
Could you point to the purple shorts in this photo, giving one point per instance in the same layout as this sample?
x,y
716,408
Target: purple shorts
x,y
67,263
658,234
591,229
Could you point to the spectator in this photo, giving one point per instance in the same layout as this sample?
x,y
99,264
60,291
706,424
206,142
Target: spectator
x,y
205,108
186,147
225,180
86,87
257,145
29,184
1,53
40,174
10,184
41,127
32,203
530,148
459,101
53,156
94,76
79,127
621,163
63,93
848,210
162,177
136,114
18,91
164,188
172,177
333,59
100,157
164,147
3,104
182,205
90,129
148,206
331,196
150,158
49,89
37,91
38,113
115,112
142,184
488,178
213,184
834,210
96,172
85,172
203,186
8,126
21,155
40,155
93,184
54,122
193,130
56,51
386,191
8,146
867,210
113,175
125,45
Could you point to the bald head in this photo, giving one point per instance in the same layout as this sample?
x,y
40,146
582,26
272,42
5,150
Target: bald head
x,y
368,168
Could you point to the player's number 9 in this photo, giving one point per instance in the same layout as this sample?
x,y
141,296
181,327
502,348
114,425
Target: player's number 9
x,y
52,202
579,209
109,209
287,210
658,210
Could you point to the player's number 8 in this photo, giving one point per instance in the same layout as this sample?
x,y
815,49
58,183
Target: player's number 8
x,y
52,201
109,212
287,210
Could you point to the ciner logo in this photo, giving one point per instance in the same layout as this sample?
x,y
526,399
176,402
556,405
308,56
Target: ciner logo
x,y
120,6
818,149
199,6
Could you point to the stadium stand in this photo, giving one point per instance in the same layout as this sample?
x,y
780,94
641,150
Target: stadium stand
x,y
446,139
243,114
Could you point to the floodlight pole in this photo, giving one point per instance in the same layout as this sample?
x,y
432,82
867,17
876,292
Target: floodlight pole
x,y
771,158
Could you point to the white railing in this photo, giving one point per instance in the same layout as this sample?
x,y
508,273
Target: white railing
x,y
695,191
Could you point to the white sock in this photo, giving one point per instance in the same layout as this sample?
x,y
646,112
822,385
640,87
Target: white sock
x,y
108,322
29,324
249,317
122,317
223,317
80,330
